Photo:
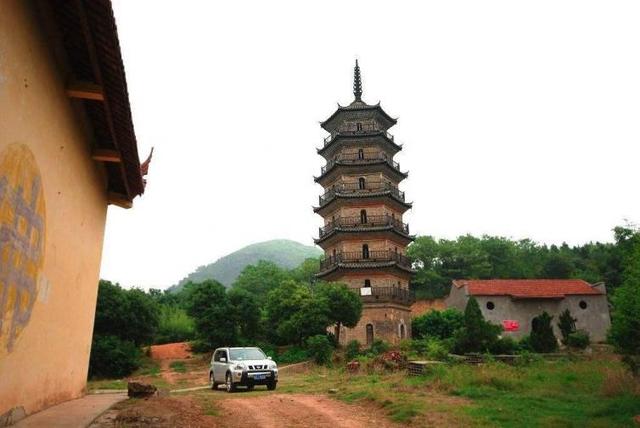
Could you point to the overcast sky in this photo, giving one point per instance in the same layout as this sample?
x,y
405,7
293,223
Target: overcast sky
x,y
519,119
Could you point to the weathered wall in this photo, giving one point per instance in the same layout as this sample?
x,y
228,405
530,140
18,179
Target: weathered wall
x,y
594,319
423,306
52,215
386,321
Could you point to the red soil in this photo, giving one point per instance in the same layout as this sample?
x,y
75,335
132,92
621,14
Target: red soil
x,y
171,351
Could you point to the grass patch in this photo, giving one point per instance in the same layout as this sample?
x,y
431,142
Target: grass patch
x,y
178,366
93,385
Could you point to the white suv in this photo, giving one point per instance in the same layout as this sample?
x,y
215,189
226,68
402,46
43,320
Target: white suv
x,y
242,367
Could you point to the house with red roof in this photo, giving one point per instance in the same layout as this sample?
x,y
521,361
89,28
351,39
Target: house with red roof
x,y
514,303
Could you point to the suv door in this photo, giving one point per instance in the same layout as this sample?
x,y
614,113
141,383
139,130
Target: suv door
x,y
219,366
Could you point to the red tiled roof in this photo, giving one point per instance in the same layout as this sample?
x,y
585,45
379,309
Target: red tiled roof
x,y
527,288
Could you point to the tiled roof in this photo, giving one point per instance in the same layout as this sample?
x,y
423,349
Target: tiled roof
x,y
527,288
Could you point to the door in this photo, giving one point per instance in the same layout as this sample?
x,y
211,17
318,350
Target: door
x,y
220,365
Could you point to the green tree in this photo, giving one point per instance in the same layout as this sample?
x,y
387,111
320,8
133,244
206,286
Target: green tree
x,y
477,335
542,338
260,279
566,324
437,324
294,314
320,349
344,306
208,304
245,312
306,271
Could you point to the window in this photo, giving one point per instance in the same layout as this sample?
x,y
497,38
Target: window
x,y
360,154
367,283
369,330
365,251
334,253
361,183
490,306
219,355
363,216
402,331
582,304
358,126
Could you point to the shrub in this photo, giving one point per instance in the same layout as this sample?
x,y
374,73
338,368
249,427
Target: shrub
x,y
437,349
542,338
477,335
113,357
295,354
578,339
566,324
200,347
352,350
525,344
504,346
378,347
320,349
175,326
437,324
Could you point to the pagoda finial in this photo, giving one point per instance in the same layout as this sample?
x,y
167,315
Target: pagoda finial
x,y
357,82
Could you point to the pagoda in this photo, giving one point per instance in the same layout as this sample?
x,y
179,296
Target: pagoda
x,y
364,237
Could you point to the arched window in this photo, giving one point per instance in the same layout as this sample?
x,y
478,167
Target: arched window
x,y
402,331
334,253
369,334
360,154
359,126
361,183
367,283
363,216
365,251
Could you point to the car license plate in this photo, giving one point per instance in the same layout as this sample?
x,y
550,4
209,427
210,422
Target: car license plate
x,y
260,377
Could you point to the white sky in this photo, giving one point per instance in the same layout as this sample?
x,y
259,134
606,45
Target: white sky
x,y
519,119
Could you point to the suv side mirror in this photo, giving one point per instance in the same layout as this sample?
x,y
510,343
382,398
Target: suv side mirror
x,y
223,360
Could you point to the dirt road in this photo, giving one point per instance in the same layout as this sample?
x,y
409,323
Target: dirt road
x,y
297,410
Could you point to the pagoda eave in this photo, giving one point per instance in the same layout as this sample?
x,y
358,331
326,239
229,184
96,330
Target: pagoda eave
x,y
341,269
363,168
371,233
355,199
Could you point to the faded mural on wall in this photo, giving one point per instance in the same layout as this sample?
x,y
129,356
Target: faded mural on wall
x,y
22,239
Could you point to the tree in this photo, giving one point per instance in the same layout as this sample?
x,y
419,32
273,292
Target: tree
x,y
131,315
260,279
245,312
625,319
293,314
208,304
344,306
566,324
437,324
477,335
306,271
542,338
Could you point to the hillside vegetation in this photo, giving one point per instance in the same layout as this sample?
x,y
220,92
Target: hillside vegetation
x,y
284,253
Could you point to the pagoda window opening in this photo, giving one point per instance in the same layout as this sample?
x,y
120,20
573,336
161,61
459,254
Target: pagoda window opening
x,y
358,126
402,331
365,251
363,216
360,154
361,183
367,283
369,330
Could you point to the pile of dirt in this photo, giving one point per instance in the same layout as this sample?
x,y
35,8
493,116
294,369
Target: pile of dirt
x,y
171,351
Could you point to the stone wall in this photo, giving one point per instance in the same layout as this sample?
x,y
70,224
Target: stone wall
x,y
390,323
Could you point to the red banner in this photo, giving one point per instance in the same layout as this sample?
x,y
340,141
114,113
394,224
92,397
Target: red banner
x,y
510,325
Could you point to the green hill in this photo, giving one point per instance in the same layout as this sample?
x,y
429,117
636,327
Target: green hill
x,y
286,254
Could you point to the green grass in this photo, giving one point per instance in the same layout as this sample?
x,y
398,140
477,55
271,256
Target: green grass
x,y
178,366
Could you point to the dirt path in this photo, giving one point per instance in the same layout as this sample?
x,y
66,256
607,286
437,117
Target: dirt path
x,y
297,410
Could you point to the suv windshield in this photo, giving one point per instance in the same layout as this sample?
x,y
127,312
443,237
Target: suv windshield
x,y
246,354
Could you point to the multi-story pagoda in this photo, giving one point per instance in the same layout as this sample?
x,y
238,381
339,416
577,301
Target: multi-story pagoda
x,y
364,237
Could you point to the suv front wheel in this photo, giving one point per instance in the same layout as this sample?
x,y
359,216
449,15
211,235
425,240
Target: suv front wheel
x,y
231,387
271,386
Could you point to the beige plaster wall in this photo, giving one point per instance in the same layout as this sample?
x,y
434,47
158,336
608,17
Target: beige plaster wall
x,y
47,360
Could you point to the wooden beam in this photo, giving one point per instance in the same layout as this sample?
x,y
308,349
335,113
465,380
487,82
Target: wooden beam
x,y
85,91
106,155
120,200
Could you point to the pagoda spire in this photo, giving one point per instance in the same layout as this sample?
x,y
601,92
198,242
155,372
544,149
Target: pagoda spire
x,y
357,82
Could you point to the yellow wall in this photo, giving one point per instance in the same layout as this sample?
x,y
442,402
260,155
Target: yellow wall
x,y
47,316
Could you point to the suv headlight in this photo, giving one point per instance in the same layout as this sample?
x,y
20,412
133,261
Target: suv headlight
x,y
239,367
273,366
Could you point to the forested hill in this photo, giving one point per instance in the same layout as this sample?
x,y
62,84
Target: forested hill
x,y
286,254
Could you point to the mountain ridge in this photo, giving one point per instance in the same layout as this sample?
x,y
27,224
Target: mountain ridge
x,y
285,253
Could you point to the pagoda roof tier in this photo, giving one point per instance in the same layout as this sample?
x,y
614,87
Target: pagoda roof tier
x,y
353,195
357,110
358,138
374,226
354,261
353,164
